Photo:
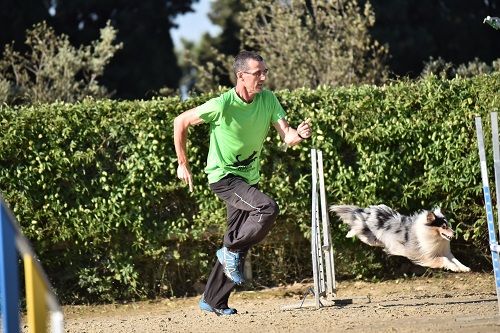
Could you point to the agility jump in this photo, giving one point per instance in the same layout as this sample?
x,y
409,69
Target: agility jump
x,y
324,289
40,299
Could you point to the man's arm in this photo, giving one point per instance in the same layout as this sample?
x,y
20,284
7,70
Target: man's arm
x,y
290,135
181,125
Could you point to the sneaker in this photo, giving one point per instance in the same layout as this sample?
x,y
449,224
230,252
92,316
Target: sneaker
x,y
204,306
231,263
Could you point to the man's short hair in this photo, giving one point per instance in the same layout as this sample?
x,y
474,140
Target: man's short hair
x,y
240,61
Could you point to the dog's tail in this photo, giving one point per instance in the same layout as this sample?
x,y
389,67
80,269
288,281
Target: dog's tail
x,y
350,215
356,217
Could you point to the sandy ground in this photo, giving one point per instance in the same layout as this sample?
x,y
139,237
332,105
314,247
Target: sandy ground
x,y
445,302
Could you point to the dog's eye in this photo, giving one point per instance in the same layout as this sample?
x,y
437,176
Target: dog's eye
x,y
444,226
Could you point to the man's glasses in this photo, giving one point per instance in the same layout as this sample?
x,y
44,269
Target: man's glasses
x,y
259,73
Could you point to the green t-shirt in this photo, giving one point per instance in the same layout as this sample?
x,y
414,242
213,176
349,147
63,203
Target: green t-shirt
x,y
237,133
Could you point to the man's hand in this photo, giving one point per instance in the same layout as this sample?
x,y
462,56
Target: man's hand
x,y
304,130
184,173
181,125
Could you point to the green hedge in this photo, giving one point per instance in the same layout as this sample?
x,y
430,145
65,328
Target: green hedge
x,y
94,185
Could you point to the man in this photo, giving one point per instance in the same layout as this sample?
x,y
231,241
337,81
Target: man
x,y
239,122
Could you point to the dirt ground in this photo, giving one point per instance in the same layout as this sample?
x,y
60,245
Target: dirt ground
x,y
443,302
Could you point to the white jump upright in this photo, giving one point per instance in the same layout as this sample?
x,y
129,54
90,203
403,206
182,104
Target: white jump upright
x,y
321,243
494,247
325,286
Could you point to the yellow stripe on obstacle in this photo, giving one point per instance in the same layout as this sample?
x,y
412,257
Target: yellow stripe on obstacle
x,y
35,297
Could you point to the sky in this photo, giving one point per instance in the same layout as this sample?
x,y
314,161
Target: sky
x,y
192,25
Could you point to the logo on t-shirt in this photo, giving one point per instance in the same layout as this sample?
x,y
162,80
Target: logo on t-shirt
x,y
244,164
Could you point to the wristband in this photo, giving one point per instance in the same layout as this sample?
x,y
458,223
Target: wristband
x,y
300,136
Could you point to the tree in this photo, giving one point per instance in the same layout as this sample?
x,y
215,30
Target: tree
x,y
224,13
204,68
147,61
415,31
207,65
18,16
309,43
448,70
449,29
306,43
54,70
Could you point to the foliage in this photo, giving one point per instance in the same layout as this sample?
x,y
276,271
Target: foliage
x,y
208,64
147,61
446,69
413,29
451,29
93,183
53,69
18,16
333,37
204,68
310,43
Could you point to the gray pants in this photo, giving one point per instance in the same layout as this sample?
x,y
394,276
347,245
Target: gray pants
x,y
250,216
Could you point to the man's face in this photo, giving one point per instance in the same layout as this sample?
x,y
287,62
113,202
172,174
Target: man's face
x,y
254,76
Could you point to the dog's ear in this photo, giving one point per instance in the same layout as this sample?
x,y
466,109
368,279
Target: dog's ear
x,y
431,217
438,211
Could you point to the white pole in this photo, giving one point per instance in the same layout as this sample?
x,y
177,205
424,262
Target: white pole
x,y
314,230
496,163
487,203
327,242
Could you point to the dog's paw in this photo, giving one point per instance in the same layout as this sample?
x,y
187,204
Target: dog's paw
x,y
461,267
450,266
457,268
464,269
